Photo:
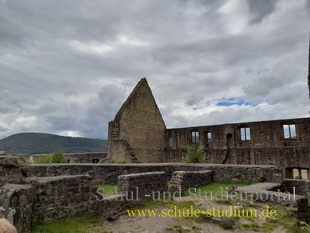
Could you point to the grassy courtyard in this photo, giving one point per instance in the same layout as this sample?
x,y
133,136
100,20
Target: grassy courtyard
x,y
284,221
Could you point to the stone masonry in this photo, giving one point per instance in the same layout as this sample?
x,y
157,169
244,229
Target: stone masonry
x,y
142,186
183,180
266,145
302,187
30,200
12,170
41,193
137,133
108,173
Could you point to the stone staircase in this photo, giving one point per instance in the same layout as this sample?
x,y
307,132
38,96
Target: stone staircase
x,y
131,154
115,133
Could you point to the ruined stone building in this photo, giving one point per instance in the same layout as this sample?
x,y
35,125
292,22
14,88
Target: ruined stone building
x,y
138,134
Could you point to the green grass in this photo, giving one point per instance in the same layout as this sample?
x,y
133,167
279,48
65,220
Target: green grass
x,y
284,218
216,187
72,225
178,204
108,189
118,162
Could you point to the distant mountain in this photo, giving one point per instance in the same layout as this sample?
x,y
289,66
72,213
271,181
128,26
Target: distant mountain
x,y
42,143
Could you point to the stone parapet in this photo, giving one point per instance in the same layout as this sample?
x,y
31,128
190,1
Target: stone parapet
x,y
143,186
183,180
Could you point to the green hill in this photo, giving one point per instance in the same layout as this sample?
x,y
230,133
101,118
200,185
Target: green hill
x,y
42,143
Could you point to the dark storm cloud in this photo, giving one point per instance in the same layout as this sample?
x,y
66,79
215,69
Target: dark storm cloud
x,y
261,9
307,3
66,66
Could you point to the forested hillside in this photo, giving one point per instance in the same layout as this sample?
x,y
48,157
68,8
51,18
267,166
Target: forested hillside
x,y
41,143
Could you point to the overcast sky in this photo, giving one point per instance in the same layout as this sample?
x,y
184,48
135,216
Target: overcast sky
x,y
67,66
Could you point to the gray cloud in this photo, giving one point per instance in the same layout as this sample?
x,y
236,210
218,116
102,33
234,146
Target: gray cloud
x,y
193,100
66,67
261,9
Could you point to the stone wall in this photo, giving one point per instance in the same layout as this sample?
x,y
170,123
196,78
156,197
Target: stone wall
x,y
41,193
143,186
263,134
267,144
246,173
302,187
12,170
91,157
27,200
122,152
100,173
174,155
108,173
45,199
16,203
61,196
285,158
183,180
137,133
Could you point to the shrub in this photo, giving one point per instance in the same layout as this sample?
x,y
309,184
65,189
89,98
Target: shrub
x,y
195,154
57,157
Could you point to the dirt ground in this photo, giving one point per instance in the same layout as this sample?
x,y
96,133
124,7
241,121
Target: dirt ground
x,y
126,224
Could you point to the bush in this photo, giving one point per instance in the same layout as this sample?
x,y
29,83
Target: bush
x,y
195,154
57,157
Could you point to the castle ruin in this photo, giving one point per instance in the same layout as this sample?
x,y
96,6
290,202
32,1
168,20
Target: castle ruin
x,y
138,135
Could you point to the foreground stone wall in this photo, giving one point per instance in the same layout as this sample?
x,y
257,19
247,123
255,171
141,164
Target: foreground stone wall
x,y
108,173
61,196
47,192
12,170
302,187
45,199
143,186
183,180
16,205
40,200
